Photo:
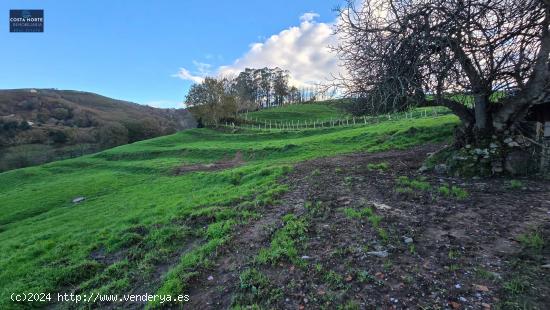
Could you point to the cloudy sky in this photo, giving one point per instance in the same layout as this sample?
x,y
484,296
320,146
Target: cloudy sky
x,y
302,49
150,52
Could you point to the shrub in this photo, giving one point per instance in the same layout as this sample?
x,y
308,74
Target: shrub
x,y
58,136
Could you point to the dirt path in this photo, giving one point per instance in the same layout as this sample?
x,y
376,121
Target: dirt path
x,y
215,287
219,165
430,249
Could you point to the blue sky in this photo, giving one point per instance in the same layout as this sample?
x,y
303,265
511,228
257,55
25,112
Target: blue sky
x,y
136,50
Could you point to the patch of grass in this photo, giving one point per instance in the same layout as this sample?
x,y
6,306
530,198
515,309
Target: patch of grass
x,y
453,254
420,184
532,240
357,214
444,190
383,234
485,274
515,184
318,268
404,190
375,220
362,213
316,172
459,193
454,267
333,279
454,191
350,305
254,288
383,166
285,242
515,286
348,180
317,209
365,277
253,280
388,264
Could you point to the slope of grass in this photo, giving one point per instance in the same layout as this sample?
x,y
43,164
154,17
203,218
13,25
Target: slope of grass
x,y
138,215
298,112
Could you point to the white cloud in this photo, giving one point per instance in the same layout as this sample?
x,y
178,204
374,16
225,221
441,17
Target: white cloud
x,y
303,50
309,17
184,74
203,69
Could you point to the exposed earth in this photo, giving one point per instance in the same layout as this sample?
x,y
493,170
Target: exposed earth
x,y
370,231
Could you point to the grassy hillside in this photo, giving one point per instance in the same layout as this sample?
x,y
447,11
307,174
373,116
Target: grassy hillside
x,y
298,112
41,125
143,228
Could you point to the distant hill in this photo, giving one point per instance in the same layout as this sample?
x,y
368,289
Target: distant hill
x,y
42,125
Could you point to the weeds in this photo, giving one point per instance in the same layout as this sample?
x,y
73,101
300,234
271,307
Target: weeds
x,y
365,277
459,193
485,274
454,191
364,212
407,185
532,240
334,279
515,286
515,184
350,305
253,280
254,287
383,166
285,242
453,254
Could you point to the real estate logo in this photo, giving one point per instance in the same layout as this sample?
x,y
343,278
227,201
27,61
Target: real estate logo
x,y
26,20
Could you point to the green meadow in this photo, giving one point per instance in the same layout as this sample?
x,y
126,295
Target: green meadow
x,y
140,220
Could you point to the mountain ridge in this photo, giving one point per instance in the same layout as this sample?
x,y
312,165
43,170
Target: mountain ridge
x,y
42,125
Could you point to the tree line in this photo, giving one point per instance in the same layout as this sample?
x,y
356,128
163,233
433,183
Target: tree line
x,y
220,98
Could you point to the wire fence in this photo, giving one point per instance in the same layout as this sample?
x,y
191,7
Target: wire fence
x,y
297,125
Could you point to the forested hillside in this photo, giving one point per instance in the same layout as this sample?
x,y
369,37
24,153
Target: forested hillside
x,y
41,125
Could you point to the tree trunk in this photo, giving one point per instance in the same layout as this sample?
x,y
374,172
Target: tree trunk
x,y
481,103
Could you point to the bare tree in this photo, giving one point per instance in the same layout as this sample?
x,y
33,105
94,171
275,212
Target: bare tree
x,y
486,60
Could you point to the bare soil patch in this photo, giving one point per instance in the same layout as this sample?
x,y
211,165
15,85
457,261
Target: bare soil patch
x,y
219,165
431,249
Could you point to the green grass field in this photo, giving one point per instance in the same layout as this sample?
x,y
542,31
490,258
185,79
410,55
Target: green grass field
x,y
297,112
138,215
